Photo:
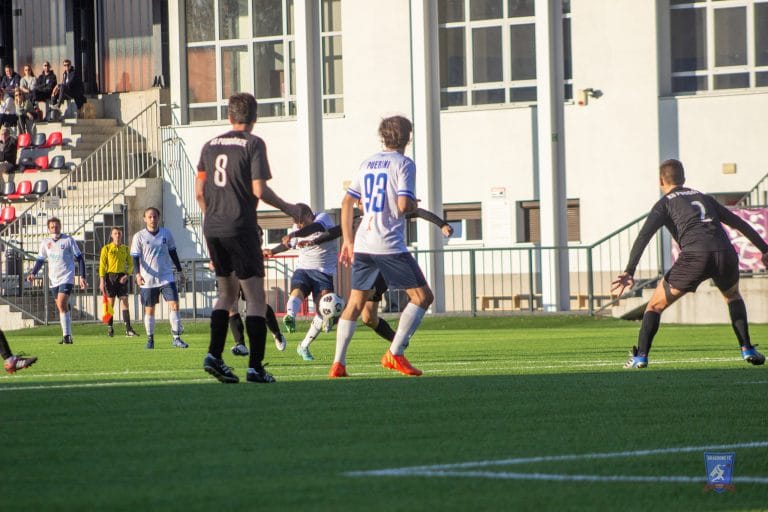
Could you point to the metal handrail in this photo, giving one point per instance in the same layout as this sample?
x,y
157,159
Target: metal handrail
x,y
747,199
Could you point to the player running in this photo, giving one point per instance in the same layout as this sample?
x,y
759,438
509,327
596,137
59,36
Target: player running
x,y
314,273
694,220
386,186
61,251
232,177
13,363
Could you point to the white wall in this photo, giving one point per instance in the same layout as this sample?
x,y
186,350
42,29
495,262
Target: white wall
x,y
613,145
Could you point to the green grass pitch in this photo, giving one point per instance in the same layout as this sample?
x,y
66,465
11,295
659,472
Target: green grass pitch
x,y
512,413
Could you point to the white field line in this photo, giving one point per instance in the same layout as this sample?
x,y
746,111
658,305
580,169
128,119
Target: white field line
x,y
457,470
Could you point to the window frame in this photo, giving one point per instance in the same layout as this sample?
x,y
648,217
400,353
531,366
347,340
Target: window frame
x,y
287,38
507,84
712,71
526,217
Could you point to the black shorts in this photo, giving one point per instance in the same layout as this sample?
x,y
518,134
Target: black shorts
x,y
379,287
692,268
114,287
239,254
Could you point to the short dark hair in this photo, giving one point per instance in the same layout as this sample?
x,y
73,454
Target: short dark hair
x,y
305,210
67,62
157,211
395,132
672,172
242,108
52,220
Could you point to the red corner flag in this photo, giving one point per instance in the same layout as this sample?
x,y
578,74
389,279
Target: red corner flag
x,y
108,311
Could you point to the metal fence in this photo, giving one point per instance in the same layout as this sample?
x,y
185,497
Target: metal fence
x,y
476,281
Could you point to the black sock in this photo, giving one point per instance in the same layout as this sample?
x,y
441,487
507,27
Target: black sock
x,y
218,332
5,350
384,330
111,321
236,326
256,327
271,319
648,329
738,311
127,318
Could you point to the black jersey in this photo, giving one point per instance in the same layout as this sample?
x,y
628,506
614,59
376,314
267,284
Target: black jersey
x,y
693,219
231,162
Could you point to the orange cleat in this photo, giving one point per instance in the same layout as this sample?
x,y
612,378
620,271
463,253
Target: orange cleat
x,y
337,370
399,363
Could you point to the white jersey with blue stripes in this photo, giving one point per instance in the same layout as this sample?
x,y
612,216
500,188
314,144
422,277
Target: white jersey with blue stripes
x,y
382,178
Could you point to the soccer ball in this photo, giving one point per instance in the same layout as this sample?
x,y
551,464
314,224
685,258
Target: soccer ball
x,y
331,306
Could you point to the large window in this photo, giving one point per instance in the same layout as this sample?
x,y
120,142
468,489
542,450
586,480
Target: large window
x,y
249,45
488,52
718,44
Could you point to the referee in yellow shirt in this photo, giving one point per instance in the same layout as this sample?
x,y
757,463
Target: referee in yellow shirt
x,y
115,265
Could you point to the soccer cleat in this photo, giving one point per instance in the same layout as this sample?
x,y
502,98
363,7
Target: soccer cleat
x,y
337,370
150,342
752,356
218,369
179,343
240,349
280,341
130,332
15,363
259,375
636,361
399,363
110,331
66,340
290,323
304,353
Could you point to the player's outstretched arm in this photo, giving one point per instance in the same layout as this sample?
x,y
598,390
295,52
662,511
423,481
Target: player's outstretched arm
x,y
745,228
434,219
266,194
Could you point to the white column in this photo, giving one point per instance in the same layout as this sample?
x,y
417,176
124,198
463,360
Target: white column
x,y
550,147
426,138
309,102
177,51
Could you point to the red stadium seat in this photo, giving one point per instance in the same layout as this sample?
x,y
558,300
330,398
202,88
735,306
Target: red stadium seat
x,y
42,162
24,141
54,139
7,215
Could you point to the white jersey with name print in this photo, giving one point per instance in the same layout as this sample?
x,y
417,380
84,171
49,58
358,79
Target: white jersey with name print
x,y
61,256
154,256
380,181
321,257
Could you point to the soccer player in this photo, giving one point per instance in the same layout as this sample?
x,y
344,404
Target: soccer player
x,y
385,184
153,250
232,177
13,363
115,266
370,313
314,272
694,220
61,251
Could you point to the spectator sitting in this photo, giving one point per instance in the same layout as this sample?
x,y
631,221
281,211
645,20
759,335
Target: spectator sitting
x,y
25,110
71,87
8,115
28,81
46,82
8,85
7,152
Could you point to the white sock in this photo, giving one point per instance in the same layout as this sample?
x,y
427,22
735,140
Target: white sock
x,y
293,306
65,319
344,331
176,327
409,322
149,324
314,330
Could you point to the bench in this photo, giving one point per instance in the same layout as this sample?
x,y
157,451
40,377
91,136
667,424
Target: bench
x,y
496,302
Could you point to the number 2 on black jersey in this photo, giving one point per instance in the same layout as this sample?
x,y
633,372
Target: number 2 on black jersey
x,y
220,171
375,192
702,211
